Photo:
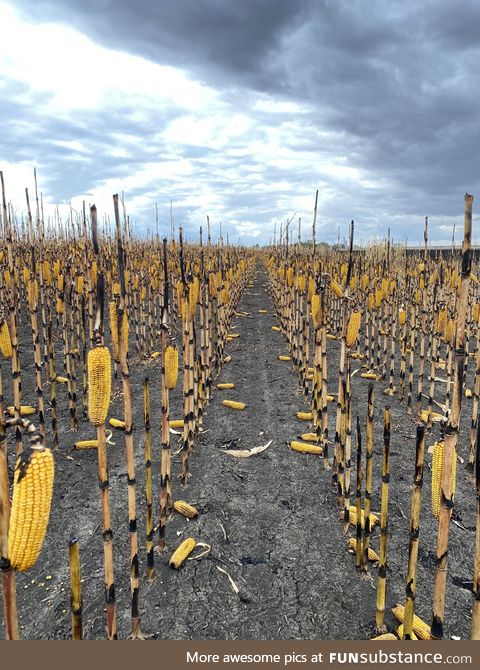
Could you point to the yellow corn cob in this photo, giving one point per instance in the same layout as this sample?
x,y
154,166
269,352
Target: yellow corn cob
x,y
368,375
402,316
306,448
8,279
331,337
311,288
262,311
353,328
46,273
232,404
474,278
420,628
468,393
378,297
316,311
436,417
176,423
227,359
353,283
112,308
184,508
336,288
80,283
400,633
290,277
155,354
301,283
276,329
25,410
5,340
181,554
117,423
385,636
171,366
449,331
61,380
233,336
310,437
372,555
370,302
304,416
352,513
437,464
32,497
99,384
26,275
476,312
225,386
86,444
116,288
364,282
56,269
60,306
284,358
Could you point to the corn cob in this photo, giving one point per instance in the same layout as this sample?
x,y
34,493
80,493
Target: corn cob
x,y
468,393
336,288
353,517
171,366
353,328
32,497
437,464
262,311
331,337
181,554
25,410
233,336
184,508
86,444
369,375
99,384
227,359
176,423
306,448
385,636
284,358
420,628
117,423
5,340
402,316
400,633
225,386
61,380
155,354
233,405
372,555
310,437
304,416
436,417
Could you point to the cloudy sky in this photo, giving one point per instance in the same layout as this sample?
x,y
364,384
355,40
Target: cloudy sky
x,y
242,109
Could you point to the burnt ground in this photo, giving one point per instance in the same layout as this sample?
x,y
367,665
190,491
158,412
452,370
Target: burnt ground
x,y
271,520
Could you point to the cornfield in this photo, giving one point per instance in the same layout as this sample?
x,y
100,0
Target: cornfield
x,y
199,439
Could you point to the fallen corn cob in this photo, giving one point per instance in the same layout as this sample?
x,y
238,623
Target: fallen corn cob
x,y
224,386
176,423
336,288
284,358
181,554
385,636
304,416
232,404
368,375
352,513
25,410
262,311
227,359
310,437
372,555
184,508
61,380
32,497
420,628
306,448
276,329
117,423
400,633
